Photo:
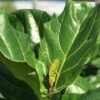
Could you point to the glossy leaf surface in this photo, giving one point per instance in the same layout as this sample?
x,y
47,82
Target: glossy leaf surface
x,y
17,52
70,37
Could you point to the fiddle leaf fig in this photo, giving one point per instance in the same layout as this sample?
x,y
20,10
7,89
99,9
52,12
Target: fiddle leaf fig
x,y
48,52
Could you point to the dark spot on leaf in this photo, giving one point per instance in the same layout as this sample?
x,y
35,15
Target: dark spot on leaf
x,y
36,50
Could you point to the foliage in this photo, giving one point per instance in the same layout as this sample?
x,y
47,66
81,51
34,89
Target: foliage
x,y
44,55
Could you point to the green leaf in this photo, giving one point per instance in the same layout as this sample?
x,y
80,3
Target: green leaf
x,y
17,54
40,18
80,86
70,96
96,62
70,37
95,79
98,42
28,14
90,95
1,96
13,87
15,23
30,26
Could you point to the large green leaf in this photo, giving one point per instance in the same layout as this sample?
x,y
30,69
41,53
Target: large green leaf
x,y
40,17
69,39
17,51
27,17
